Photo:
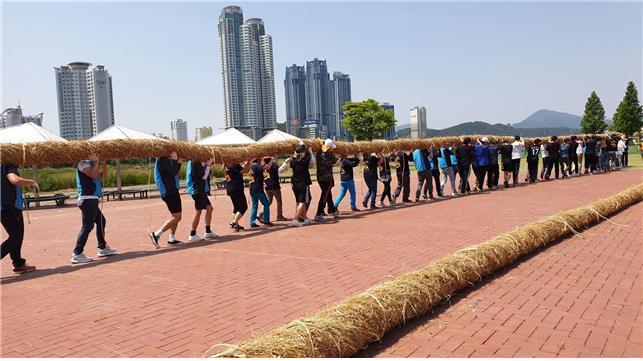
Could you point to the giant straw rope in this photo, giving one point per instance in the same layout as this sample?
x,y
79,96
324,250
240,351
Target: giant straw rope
x,y
346,328
73,151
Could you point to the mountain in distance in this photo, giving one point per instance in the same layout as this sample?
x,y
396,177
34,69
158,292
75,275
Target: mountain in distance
x,y
402,127
544,118
479,127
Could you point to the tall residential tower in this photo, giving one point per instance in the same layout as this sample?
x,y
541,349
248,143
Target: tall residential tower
x,y
295,85
418,122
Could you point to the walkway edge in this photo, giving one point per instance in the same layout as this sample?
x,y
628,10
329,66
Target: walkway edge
x,y
346,328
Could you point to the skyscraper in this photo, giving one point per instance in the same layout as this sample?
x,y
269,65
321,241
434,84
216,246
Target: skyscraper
x,y
389,134
341,94
201,133
318,97
179,129
248,73
418,122
295,85
85,100
13,116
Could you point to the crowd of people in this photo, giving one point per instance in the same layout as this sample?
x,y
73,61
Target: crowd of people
x,y
435,167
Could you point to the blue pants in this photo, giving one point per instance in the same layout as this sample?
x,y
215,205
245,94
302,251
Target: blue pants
x,y
343,187
91,215
255,197
372,191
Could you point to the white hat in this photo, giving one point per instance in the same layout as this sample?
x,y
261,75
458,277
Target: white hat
x,y
329,143
484,140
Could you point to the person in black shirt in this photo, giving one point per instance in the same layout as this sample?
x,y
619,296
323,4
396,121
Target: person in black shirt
x,y
234,188
494,172
464,154
573,155
553,148
533,151
347,181
370,177
166,176
590,154
325,161
506,150
273,186
257,194
11,215
403,172
300,163
385,178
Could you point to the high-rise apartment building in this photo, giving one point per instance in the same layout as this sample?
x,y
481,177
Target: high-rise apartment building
x,y
295,85
341,94
248,73
85,100
418,122
390,133
179,130
201,133
319,101
13,116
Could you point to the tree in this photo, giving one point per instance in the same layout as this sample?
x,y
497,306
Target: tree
x,y
628,117
594,117
366,120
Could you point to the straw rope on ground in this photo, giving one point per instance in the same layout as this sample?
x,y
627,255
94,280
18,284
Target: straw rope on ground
x,y
346,328
73,151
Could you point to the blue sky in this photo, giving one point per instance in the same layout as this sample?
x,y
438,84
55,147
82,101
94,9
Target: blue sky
x,y
489,61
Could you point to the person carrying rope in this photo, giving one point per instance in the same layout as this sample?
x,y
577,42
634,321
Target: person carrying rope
x,y
300,162
234,188
325,161
197,178
89,184
273,186
257,194
11,215
166,177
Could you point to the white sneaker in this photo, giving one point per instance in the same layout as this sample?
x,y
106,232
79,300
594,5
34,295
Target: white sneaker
x,y
380,205
307,222
195,238
105,252
453,194
320,218
80,258
210,235
296,223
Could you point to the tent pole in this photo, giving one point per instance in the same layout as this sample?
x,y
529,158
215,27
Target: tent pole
x,y
118,178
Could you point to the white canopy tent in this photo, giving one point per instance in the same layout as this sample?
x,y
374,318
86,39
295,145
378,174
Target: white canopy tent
x,y
28,133
117,132
276,135
230,136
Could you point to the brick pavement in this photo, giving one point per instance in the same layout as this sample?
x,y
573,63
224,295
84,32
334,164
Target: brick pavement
x,y
581,297
179,302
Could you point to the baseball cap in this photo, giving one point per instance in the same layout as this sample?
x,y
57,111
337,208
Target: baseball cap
x,y
484,140
328,144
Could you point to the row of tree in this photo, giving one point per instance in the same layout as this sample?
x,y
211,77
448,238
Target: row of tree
x,y
367,120
628,118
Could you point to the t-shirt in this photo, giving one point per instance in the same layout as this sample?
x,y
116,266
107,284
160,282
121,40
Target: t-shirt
x,y
87,187
573,149
403,160
166,175
11,194
419,160
256,178
301,171
543,151
465,154
532,152
553,148
194,178
233,177
444,158
590,146
506,151
481,155
370,173
271,177
325,161
493,154
517,149
346,171
454,158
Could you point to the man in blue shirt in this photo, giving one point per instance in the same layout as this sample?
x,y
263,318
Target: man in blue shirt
x,y
12,219
90,189
422,172
166,176
197,177
481,161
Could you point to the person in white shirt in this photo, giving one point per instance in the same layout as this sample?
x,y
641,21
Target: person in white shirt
x,y
545,156
516,153
621,151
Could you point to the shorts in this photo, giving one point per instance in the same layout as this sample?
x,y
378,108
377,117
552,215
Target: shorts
x,y
302,195
173,202
239,202
201,201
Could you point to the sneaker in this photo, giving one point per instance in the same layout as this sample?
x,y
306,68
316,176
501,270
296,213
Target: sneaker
x,y
417,200
174,242
260,219
423,196
296,223
236,227
269,224
104,252
232,225
393,201
319,218
155,239
365,205
307,222
453,194
210,235
355,209
80,258
373,207
194,238
336,214
282,218
24,268
254,225
380,205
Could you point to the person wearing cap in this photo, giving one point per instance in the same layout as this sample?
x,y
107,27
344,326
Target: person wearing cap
x,y
300,162
347,181
481,161
370,178
11,217
532,161
234,188
257,194
325,161
516,154
197,179
166,177
273,186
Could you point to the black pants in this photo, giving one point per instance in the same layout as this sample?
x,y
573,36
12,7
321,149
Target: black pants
x,y
574,161
624,159
326,198
464,177
494,174
554,164
590,162
436,177
516,168
481,172
404,186
91,215
14,224
386,193
532,168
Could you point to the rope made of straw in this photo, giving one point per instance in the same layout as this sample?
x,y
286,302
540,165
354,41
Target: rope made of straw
x,y
351,325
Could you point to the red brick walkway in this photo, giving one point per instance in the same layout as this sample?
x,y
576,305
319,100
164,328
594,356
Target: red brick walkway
x,y
179,302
